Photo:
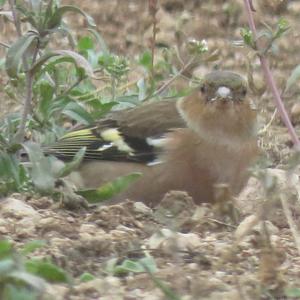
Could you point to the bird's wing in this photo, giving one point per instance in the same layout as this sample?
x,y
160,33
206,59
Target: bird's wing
x,y
129,135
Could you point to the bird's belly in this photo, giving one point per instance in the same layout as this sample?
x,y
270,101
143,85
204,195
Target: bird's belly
x,y
228,165
197,176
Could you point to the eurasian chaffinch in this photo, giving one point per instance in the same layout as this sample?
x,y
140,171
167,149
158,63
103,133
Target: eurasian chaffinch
x,y
193,144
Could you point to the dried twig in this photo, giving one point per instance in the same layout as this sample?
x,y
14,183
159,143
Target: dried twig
x,y
152,11
270,80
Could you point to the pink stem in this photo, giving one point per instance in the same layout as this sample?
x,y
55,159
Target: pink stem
x,y
271,83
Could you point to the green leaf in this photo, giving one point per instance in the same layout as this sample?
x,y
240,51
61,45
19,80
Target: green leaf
x,y
46,92
75,111
85,277
32,246
197,47
145,264
146,60
36,5
57,16
27,278
12,174
2,2
294,77
78,60
27,14
292,292
115,65
85,43
282,27
41,174
100,109
6,266
13,292
16,51
132,99
148,263
247,36
5,248
109,189
100,40
142,89
70,166
47,270
128,266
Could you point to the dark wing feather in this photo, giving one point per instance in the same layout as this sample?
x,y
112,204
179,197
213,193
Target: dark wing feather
x,y
129,131
150,119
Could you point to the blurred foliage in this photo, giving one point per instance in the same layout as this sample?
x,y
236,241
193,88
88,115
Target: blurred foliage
x,y
22,278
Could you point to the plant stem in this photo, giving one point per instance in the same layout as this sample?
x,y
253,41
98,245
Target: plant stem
x,y
170,81
113,88
270,80
153,10
19,137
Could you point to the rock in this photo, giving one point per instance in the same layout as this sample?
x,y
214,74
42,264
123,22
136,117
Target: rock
x,y
41,203
109,287
140,207
56,291
245,227
90,229
294,8
175,209
18,209
25,228
169,241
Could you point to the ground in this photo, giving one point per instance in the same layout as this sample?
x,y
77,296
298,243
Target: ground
x,y
198,253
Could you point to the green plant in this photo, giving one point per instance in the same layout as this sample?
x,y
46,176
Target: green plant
x,y
34,69
145,264
22,278
261,43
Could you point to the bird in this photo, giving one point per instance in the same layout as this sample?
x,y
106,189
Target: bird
x,y
192,144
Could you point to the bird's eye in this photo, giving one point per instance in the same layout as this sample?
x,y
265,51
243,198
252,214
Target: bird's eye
x,y
203,89
244,92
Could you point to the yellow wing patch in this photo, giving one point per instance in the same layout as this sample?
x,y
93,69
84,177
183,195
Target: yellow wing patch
x,y
114,136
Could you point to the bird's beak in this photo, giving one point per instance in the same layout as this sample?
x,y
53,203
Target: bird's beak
x,y
223,93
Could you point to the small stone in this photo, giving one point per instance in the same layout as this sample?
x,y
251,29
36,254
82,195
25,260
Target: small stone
x,y
188,241
85,237
60,242
140,207
157,239
18,209
88,228
25,228
41,203
56,291
169,241
245,227
109,286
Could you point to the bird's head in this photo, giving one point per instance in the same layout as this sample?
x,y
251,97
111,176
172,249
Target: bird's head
x,y
220,107
223,88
